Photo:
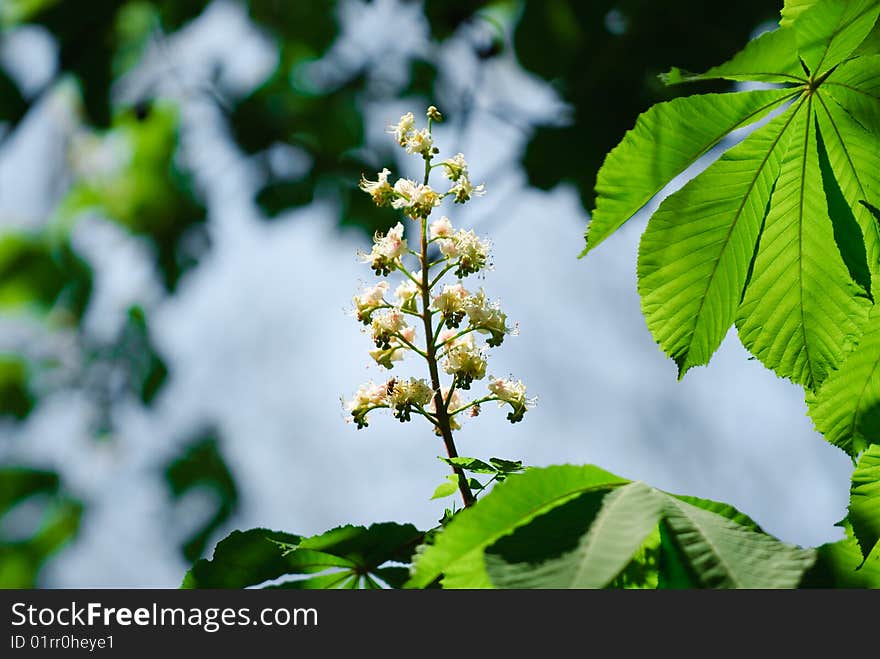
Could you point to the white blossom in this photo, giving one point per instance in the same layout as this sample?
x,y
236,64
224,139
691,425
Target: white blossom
x,y
451,301
421,142
380,190
406,291
415,199
387,249
403,128
369,299
441,228
455,167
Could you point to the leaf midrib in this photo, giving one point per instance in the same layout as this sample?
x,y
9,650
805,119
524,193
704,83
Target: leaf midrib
x,y
593,535
702,531
801,237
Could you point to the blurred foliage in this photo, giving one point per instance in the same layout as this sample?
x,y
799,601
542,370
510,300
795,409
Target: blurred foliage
x,y
41,274
128,174
200,466
28,540
16,399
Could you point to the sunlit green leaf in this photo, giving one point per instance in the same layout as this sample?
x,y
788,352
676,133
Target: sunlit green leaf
x,y
864,502
458,550
846,409
801,312
628,516
666,140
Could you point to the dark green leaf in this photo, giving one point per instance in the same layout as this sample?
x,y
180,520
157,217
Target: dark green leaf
x,y
243,558
201,467
27,544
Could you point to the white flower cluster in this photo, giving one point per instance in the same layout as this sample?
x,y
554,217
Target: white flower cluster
x,y
453,317
470,253
512,393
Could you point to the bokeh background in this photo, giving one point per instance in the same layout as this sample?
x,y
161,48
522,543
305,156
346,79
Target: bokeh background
x,y
179,217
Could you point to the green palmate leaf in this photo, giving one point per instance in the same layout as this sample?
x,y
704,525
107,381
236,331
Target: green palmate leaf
x,y
829,31
458,550
346,552
723,554
864,500
855,85
801,311
771,57
243,558
854,156
665,141
627,517
846,409
694,256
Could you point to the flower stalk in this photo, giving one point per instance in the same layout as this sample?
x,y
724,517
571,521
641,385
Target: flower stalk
x,y
449,342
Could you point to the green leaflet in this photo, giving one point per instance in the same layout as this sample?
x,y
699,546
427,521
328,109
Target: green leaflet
x,y
841,565
864,501
665,141
627,517
771,57
846,409
243,558
580,527
801,298
694,256
350,552
723,554
855,85
854,155
801,312
458,550
829,31
792,9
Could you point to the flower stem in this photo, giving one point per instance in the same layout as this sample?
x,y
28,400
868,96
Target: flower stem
x,y
443,424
